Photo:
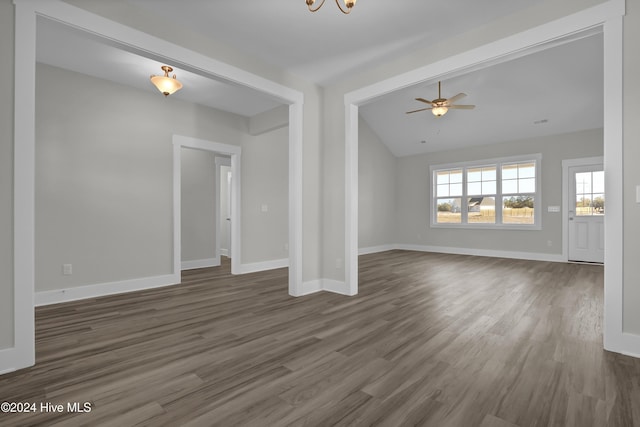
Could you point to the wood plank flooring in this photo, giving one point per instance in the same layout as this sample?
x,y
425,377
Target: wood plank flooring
x,y
431,339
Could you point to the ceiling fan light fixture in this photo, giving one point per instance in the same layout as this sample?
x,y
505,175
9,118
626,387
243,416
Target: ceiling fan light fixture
x,y
165,84
439,111
348,4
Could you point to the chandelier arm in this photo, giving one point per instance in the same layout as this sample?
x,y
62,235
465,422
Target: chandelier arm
x,y
317,8
346,12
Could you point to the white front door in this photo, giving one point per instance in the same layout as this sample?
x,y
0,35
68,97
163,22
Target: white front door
x,y
586,213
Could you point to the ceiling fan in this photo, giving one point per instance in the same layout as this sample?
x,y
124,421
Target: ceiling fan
x,y
440,106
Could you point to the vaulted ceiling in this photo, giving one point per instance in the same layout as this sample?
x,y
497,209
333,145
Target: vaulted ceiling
x,y
559,87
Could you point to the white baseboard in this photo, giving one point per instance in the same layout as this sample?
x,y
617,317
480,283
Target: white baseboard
x,y
311,287
224,252
532,256
628,344
7,360
335,286
264,265
103,289
200,263
376,249
327,285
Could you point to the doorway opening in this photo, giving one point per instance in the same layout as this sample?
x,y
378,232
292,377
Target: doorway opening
x,y
222,155
27,15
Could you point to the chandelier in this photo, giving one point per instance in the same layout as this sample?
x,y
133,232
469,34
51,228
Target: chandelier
x,y
166,84
347,3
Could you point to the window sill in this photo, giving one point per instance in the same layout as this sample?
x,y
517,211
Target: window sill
x,y
526,227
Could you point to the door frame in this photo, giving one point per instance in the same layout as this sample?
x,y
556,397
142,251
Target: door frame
x,y
22,353
221,161
566,201
606,17
180,142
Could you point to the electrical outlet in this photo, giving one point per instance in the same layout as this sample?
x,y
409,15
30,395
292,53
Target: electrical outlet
x,y
67,269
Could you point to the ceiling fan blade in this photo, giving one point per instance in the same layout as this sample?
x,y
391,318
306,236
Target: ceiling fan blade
x,y
461,107
424,100
422,109
455,98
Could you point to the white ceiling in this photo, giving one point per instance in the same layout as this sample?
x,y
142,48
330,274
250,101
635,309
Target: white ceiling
x,y
561,87
325,45
68,48
562,84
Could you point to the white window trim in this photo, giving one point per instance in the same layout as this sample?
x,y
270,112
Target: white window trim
x,y
498,162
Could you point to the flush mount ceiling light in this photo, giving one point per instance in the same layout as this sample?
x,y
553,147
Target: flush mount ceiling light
x,y
347,3
166,84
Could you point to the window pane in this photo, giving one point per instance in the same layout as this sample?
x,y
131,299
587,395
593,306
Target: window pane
x,y
526,170
474,174
442,190
598,182
442,177
474,188
509,171
489,187
598,204
518,210
527,185
449,183
583,182
481,181
489,174
510,186
448,211
481,210
583,205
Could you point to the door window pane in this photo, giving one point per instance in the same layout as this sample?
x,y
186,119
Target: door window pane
x,y
589,193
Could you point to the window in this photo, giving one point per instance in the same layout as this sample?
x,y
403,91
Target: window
x,y
498,193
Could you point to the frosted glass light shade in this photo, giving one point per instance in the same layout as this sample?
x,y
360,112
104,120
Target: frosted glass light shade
x,y
439,111
165,84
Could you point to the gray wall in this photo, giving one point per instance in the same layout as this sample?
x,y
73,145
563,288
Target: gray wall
x,y
377,190
198,210
414,182
265,180
6,174
104,177
128,14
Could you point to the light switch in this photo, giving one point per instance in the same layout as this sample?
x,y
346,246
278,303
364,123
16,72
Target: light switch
x,y
553,208
265,208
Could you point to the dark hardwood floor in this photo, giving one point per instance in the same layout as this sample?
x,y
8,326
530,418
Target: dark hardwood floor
x,y
431,339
